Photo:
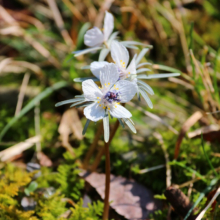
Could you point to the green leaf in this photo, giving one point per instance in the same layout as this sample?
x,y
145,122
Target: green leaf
x,y
33,186
81,34
32,104
86,126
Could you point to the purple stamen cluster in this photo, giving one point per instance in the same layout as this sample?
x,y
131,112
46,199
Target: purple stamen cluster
x,y
112,96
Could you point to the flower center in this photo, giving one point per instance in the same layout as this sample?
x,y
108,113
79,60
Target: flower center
x,y
112,96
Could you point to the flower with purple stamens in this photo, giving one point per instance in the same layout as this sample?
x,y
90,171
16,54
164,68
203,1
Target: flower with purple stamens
x,y
109,96
112,96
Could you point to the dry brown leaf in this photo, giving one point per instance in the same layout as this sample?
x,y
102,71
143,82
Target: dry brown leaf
x,y
70,123
44,160
179,201
127,197
210,132
18,148
186,126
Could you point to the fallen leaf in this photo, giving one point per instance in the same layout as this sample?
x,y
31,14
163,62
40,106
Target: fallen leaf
x,y
44,160
210,132
18,148
127,197
179,201
70,123
186,126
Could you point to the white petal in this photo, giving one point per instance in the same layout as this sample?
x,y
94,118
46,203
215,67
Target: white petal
x,y
109,75
91,90
119,54
81,52
119,111
127,90
94,112
93,37
112,37
141,55
103,54
96,67
108,25
132,66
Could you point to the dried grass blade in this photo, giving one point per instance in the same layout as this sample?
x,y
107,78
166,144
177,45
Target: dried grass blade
x,y
186,126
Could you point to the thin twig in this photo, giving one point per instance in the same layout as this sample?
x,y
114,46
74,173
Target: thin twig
x,y
74,10
191,186
107,182
105,7
200,216
166,155
93,146
59,21
22,93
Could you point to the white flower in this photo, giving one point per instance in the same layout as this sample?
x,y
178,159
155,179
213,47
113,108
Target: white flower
x,y
120,56
98,39
130,71
108,97
95,37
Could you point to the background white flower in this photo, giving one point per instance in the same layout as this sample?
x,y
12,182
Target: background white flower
x,y
98,39
120,56
95,37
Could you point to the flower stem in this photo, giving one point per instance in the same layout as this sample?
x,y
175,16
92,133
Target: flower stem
x,y
102,150
93,146
107,182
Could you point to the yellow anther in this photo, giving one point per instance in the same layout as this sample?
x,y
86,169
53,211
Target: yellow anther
x,y
98,102
105,84
103,107
100,105
108,108
129,73
108,83
98,97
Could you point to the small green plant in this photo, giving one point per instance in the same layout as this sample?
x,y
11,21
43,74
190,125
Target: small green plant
x,y
93,212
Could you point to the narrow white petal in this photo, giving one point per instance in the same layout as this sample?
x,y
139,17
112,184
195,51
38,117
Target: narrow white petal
x,y
119,54
93,37
141,55
108,25
112,37
143,70
132,66
94,112
127,90
91,90
109,75
103,54
119,111
143,64
96,67
81,52
156,76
